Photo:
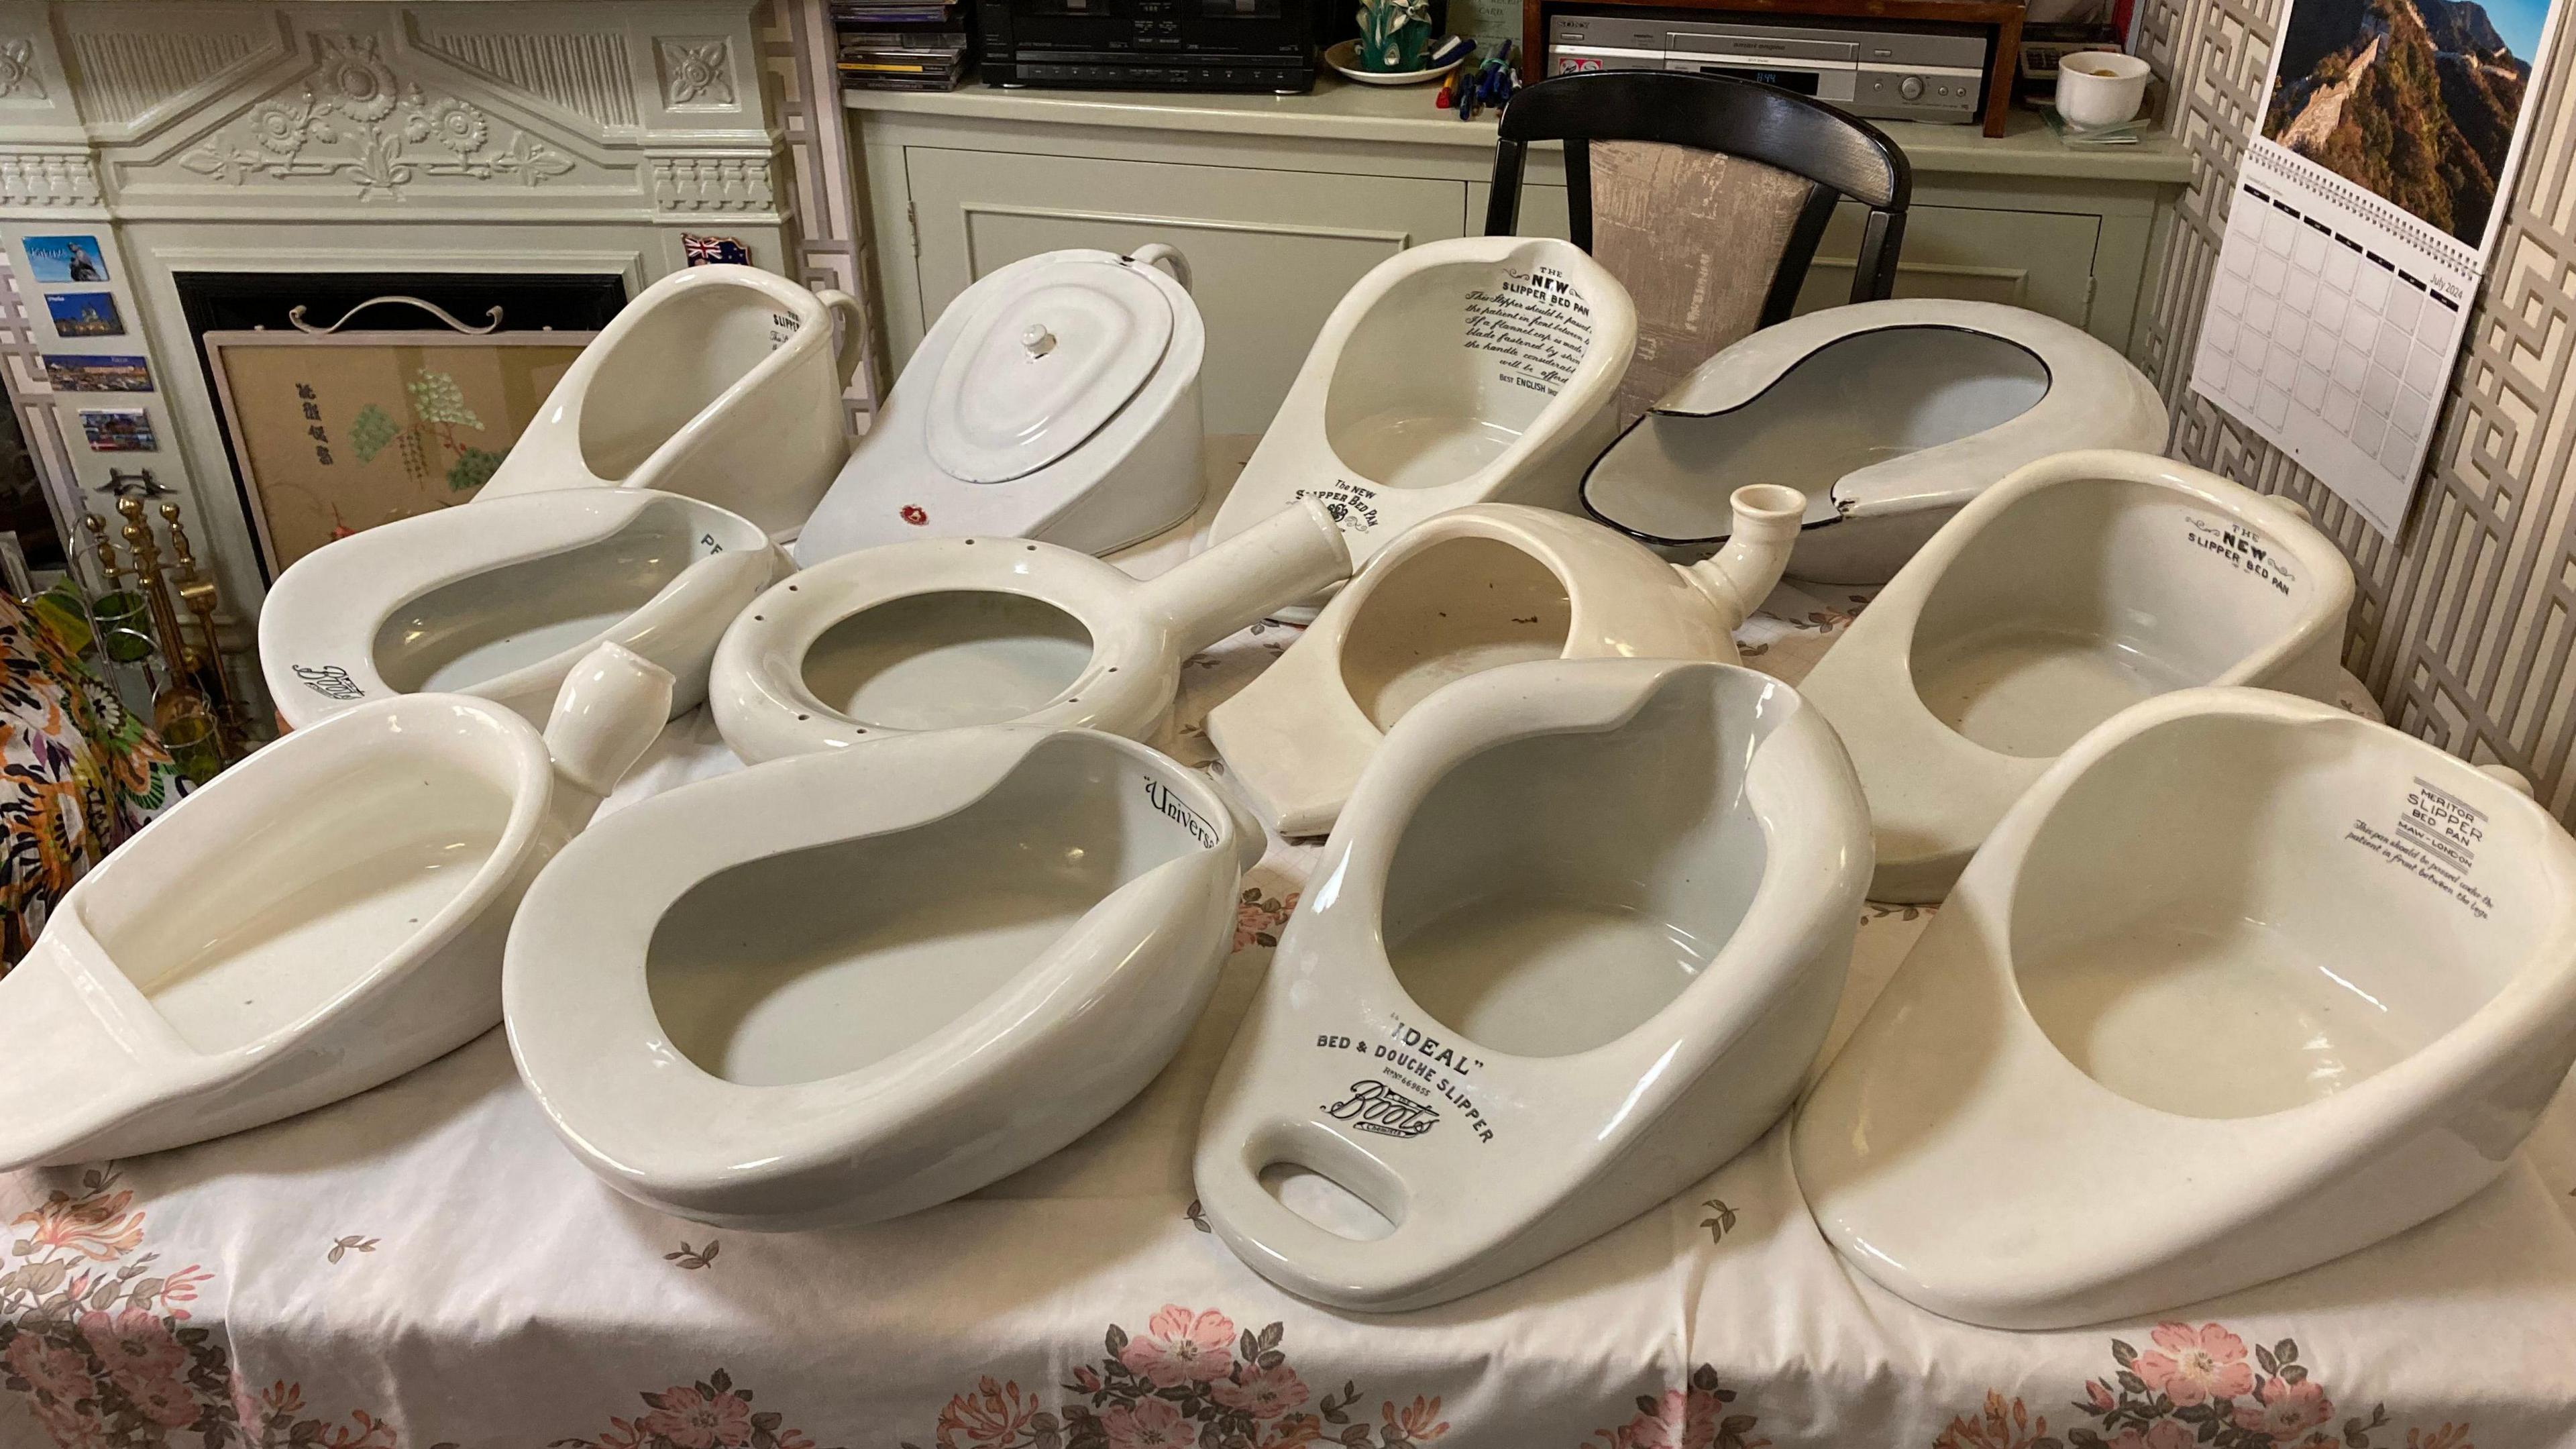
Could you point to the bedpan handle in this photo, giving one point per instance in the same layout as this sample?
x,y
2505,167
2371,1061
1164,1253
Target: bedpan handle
x,y
1369,1274
1740,577
851,344
1284,558
612,707
1166,256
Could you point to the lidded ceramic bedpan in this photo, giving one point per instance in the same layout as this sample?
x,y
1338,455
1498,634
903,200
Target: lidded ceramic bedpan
x,y
1055,399
1476,587
2242,984
843,987
323,917
1888,415
1474,370
500,600
1574,944
718,382
968,631
2078,586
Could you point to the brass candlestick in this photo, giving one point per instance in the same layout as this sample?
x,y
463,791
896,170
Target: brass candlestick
x,y
199,594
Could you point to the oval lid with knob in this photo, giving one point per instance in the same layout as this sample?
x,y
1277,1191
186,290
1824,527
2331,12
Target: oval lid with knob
x,y
1044,363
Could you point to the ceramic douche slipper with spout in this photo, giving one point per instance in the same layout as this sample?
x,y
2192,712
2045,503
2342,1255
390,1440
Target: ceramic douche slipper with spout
x,y
1580,932
324,916
501,600
934,635
2240,985
719,382
1464,371
2078,586
1889,416
1055,399
846,986
1477,587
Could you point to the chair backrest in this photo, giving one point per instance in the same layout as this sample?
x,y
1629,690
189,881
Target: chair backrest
x,y
1683,185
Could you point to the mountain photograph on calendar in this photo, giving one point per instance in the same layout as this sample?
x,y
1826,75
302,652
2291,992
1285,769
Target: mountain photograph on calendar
x,y
2413,100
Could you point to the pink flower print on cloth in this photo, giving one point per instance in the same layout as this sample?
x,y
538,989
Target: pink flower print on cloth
x,y
2284,1409
1262,1393
48,1368
2195,1364
1149,1424
133,1343
1179,1347
2163,1434
695,1420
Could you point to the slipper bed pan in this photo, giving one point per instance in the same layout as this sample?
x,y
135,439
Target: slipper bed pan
x,y
1889,416
951,632
323,917
844,987
1479,586
2241,985
2079,586
1056,399
1583,927
500,600
1464,371
718,382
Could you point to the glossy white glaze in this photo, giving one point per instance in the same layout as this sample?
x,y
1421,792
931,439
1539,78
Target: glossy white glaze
x,y
324,916
1573,944
2078,586
501,600
2241,984
721,383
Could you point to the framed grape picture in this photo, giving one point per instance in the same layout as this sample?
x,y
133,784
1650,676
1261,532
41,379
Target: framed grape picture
x,y
340,431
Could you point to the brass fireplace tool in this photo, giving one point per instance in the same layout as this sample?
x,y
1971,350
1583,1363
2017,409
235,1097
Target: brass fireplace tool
x,y
193,708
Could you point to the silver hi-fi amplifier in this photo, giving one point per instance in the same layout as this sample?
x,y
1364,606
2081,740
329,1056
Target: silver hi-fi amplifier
x,y
1884,70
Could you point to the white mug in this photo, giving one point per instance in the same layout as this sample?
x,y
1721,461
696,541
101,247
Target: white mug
x,y
2099,88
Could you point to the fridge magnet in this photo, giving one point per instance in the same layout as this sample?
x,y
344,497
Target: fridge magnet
x,y
66,259
119,430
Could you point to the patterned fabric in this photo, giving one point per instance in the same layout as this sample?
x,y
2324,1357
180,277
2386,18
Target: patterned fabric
x,y
78,774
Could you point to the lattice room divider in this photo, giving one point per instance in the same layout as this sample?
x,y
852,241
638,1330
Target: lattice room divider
x,y
2466,626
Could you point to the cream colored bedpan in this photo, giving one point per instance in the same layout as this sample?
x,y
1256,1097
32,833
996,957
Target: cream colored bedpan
x,y
719,382
950,632
1455,372
1579,936
1889,416
2080,585
1056,399
500,600
843,987
326,915
1476,587
2242,984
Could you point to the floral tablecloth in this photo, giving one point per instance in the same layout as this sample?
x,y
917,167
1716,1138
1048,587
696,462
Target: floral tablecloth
x,y
425,1265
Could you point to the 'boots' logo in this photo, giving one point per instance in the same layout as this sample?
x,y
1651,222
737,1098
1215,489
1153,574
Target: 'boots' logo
x,y
1373,1107
330,681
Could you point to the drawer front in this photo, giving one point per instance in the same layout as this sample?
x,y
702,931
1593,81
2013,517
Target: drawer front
x,y
1271,252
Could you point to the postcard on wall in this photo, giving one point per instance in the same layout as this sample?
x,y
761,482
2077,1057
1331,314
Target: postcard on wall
x,y
82,372
2363,217
66,259
119,430
334,434
85,314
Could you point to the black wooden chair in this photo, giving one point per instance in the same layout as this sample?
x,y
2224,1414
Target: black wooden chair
x,y
1706,196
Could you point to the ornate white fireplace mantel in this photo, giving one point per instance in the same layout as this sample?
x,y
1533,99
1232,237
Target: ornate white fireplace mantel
x,y
452,136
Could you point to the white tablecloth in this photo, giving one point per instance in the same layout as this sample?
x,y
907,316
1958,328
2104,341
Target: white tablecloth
x,y
425,1265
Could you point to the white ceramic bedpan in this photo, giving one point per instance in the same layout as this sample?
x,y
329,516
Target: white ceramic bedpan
x,y
1889,416
1581,932
969,631
2080,585
325,916
501,600
2243,984
1477,587
1056,399
719,382
844,987
1466,371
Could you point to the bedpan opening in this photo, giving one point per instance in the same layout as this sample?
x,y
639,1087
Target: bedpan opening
x,y
1854,402
1552,893
1325,1203
651,386
1459,607
1444,373
2083,599
232,938
945,659
1325,1180
825,960
476,629
2238,946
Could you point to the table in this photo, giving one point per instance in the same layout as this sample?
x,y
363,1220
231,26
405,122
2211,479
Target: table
x,y
424,1265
